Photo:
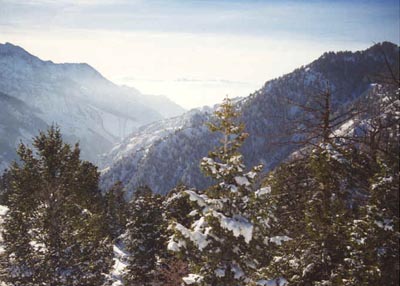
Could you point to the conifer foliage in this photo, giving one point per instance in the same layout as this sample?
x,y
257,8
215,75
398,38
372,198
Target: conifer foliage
x,y
317,189
340,207
224,230
116,209
375,234
19,255
54,231
144,237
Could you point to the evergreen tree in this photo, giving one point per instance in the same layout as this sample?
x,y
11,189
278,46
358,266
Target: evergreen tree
x,y
18,259
374,255
144,237
227,229
314,197
319,203
374,252
56,217
5,186
289,184
313,207
116,209
176,207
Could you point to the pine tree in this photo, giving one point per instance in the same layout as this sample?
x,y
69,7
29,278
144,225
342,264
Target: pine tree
x,y
5,186
319,203
58,218
116,209
289,187
71,220
176,207
18,259
144,237
374,252
382,227
326,217
313,199
315,196
313,207
226,229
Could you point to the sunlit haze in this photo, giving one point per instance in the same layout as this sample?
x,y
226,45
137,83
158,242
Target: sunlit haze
x,y
195,52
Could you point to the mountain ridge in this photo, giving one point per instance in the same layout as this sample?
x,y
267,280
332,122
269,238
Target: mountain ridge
x,y
169,153
88,107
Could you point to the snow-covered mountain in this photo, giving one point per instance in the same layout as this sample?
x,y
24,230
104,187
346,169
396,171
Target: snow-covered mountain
x,y
167,152
88,107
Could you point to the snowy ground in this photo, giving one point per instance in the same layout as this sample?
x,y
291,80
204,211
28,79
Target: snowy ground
x,y
119,265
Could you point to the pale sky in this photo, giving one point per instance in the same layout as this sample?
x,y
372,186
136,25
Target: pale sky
x,y
195,51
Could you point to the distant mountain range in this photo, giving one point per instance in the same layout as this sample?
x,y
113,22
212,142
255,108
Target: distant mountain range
x,y
88,107
167,152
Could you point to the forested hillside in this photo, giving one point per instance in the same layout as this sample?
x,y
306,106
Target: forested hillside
x,y
172,148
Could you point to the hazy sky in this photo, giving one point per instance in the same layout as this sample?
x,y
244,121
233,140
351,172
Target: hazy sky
x,y
195,51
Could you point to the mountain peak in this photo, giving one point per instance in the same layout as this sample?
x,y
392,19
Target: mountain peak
x,y
383,47
77,70
378,48
11,49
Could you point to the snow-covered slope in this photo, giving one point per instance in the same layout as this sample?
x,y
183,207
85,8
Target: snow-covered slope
x,y
87,106
167,152
148,155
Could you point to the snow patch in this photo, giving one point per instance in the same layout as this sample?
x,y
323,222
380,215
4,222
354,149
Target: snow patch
x,y
263,191
238,225
192,279
278,240
196,236
199,199
242,181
